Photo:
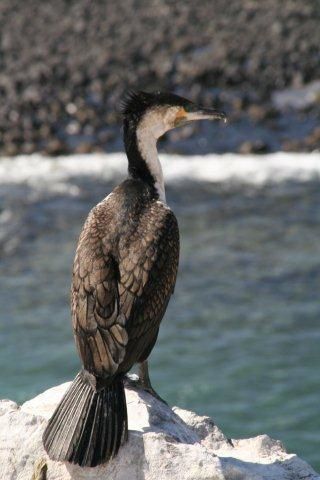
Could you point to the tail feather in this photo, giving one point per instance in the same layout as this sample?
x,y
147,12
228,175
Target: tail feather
x,y
61,417
88,426
70,432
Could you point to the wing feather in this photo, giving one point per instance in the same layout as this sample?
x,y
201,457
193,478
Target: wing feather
x,y
118,304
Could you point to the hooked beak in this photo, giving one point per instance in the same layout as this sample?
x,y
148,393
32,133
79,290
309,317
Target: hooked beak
x,y
206,114
198,113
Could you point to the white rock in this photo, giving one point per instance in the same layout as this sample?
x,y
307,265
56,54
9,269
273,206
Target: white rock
x,y
163,444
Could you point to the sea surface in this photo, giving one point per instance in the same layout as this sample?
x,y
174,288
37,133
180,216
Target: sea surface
x,y
241,337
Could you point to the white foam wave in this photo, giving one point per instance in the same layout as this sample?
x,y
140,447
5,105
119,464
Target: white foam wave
x,y
43,172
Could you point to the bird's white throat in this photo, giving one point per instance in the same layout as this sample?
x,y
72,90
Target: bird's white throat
x,y
148,133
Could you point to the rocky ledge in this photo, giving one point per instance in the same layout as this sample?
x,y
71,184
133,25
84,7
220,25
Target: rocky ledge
x,y
163,444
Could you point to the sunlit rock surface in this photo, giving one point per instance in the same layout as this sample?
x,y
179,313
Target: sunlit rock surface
x,y
163,444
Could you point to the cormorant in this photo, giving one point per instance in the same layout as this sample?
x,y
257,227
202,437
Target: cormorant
x,y
124,274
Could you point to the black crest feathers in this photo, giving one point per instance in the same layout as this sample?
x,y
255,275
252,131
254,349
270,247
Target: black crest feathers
x,y
135,103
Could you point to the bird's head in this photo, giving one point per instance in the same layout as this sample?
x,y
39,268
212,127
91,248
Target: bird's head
x,y
160,112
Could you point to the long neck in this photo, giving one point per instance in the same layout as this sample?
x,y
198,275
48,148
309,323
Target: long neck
x,y
141,149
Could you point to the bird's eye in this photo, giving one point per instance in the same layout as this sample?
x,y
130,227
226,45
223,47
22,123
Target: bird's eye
x,y
190,107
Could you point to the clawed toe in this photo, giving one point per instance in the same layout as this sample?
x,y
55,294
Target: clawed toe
x,y
133,381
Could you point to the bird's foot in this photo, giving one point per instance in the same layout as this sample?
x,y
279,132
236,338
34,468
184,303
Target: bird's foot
x,y
133,381
145,380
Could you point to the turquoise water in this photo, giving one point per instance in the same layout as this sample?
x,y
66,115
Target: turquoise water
x,y
240,340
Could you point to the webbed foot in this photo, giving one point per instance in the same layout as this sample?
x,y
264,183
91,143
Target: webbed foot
x,y
143,381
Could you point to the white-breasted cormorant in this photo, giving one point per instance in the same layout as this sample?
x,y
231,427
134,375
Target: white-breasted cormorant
x,y
124,273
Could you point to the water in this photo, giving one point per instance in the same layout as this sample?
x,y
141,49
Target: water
x,y
240,340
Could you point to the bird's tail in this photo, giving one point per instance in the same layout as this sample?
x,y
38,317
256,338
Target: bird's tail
x,y
89,424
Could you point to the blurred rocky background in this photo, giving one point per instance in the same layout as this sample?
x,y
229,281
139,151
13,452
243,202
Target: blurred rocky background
x,y
241,339
64,66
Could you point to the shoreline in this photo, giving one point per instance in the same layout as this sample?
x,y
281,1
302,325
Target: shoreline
x,y
255,170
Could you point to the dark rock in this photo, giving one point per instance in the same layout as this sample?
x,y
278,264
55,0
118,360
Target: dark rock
x,y
83,148
292,145
262,112
65,65
313,140
56,147
253,147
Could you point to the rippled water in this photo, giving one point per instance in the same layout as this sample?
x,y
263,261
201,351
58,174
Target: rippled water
x,y
240,340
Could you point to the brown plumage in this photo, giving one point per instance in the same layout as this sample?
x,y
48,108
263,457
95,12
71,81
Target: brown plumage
x,y
124,273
